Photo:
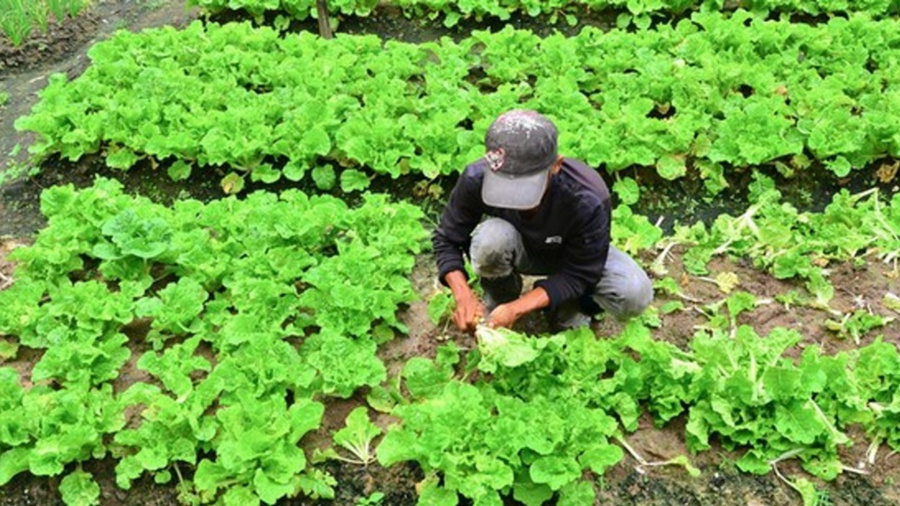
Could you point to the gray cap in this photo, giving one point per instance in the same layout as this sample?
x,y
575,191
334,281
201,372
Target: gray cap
x,y
521,150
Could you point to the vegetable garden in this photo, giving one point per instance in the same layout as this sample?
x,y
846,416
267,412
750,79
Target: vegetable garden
x,y
230,299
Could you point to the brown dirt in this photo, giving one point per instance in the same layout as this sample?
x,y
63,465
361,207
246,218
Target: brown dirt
x,y
7,267
60,40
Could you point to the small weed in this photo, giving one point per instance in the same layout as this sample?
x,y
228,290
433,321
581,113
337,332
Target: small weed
x,y
151,5
373,500
15,169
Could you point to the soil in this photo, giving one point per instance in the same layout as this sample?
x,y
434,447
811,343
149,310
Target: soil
x,y
60,40
23,72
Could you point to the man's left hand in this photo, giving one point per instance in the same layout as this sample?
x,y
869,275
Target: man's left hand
x,y
503,315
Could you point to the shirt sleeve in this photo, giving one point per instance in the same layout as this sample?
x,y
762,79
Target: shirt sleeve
x,y
584,258
453,236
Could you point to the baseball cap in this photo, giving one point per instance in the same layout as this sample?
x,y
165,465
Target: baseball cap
x,y
521,149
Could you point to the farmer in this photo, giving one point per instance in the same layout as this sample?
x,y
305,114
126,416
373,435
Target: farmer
x,y
548,216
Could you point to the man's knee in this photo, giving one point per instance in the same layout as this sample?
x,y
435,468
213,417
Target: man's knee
x,y
636,292
494,248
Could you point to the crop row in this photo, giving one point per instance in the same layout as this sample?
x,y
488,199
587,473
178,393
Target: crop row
x,y
248,314
548,411
710,92
544,412
454,10
18,19
238,306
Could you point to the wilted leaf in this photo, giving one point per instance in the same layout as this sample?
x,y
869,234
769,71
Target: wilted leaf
x,y
727,281
232,183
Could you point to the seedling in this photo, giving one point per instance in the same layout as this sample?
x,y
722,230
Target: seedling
x,y
356,437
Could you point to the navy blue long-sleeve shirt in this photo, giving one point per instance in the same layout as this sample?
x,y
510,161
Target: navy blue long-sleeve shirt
x,y
569,233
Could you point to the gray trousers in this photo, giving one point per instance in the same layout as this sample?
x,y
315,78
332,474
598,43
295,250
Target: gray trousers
x,y
499,257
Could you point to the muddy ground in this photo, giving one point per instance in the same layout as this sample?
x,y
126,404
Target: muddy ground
x,y
24,71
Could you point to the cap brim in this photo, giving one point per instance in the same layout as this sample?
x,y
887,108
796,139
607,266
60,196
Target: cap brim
x,y
519,192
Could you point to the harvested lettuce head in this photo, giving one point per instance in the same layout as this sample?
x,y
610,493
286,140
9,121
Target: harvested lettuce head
x,y
505,347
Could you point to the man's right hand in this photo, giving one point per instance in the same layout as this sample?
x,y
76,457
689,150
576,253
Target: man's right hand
x,y
469,310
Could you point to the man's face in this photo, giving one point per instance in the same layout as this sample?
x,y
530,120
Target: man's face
x,y
528,213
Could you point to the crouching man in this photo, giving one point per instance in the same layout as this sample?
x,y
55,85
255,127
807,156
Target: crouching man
x,y
548,215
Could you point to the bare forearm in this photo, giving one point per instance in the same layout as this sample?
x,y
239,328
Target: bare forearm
x,y
458,284
507,314
531,301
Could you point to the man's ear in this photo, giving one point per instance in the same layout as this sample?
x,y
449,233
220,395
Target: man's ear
x,y
558,165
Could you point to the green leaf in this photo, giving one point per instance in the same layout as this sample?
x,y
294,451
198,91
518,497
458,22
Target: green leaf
x,y
683,461
807,491
381,399
78,488
433,494
671,307
293,170
531,494
840,166
555,471
440,306
358,434
143,237
798,422
423,378
713,175
324,177
504,347
601,457
240,496
628,191
179,171
740,302
642,21
121,158
316,141
671,167
12,462
269,490
162,477
317,484
266,173
891,301
576,494
8,349
783,383
345,364
397,445
353,180
232,183
754,461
